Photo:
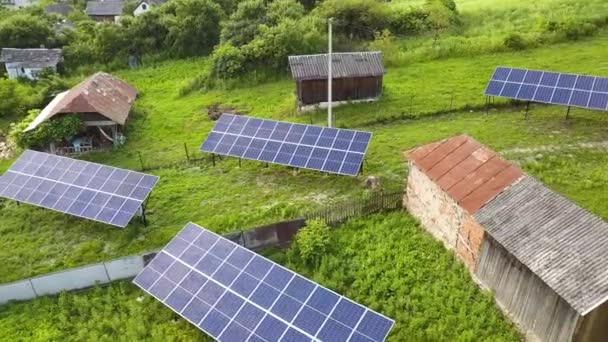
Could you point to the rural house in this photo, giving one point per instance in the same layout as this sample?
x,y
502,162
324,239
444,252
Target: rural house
x,y
109,10
15,4
357,76
103,102
144,6
62,9
29,62
544,257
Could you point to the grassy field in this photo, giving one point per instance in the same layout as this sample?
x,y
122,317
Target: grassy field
x,y
227,197
385,261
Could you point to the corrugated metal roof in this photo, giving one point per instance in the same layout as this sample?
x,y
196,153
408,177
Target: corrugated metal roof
x,y
109,7
101,93
466,170
344,65
565,245
31,58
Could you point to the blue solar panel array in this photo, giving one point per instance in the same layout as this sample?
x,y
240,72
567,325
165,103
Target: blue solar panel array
x,y
93,191
332,150
549,87
233,294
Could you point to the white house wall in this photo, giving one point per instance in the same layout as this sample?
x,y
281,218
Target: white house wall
x,y
139,10
30,73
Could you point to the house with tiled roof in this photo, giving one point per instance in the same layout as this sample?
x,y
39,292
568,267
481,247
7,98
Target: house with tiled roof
x,y
544,257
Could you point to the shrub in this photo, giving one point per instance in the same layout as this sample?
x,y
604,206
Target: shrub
x,y
242,25
409,21
515,41
311,243
25,31
46,132
227,61
356,18
16,98
193,25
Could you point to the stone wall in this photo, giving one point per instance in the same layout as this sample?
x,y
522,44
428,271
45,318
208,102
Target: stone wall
x,y
435,209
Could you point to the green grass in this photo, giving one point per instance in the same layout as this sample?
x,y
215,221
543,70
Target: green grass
x,y
384,261
227,197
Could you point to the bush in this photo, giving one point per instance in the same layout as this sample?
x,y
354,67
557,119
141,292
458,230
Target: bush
x,y
193,26
357,19
26,31
227,62
16,98
311,243
409,22
242,25
515,42
46,132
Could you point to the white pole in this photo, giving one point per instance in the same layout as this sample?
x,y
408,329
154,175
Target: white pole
x,y
330,117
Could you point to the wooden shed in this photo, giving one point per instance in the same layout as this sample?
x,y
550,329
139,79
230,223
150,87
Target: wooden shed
x,y
544,257
357,76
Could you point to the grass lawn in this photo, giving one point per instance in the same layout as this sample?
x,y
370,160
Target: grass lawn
x,y
227,197
385,261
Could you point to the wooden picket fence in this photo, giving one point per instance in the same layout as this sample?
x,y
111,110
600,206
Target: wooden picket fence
x,y
339,213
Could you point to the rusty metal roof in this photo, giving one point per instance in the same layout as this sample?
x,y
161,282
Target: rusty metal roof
x,y
469,172
344,65
557,240
101,93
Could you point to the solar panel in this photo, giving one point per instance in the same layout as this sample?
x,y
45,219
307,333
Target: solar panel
x,y
93,191
233,294
549,87
339,151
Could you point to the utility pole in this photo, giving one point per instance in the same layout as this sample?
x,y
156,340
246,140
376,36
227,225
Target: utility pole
x,y
330,116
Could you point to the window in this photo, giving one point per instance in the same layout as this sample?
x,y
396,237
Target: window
x,y
144,7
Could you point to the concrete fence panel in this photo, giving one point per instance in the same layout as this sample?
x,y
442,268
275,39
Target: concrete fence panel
x,y
124,268
19,290
74,279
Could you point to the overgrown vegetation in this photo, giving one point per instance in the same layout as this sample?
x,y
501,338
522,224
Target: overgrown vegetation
x,y
311,243
385,262
115,313
46,132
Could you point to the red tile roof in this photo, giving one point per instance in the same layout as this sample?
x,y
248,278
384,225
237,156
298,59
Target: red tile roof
x,y
469,172
101,93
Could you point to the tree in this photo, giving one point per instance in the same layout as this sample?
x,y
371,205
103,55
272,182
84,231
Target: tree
x,y
279,10
357,19
110,41
439,18
273,44
242,25
25,31
146,32
193,26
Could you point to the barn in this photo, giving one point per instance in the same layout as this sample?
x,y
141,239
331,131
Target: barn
x,y
102,102
357,76
544,257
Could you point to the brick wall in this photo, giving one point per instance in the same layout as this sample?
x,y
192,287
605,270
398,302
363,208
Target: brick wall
x,y
468,244
435,209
